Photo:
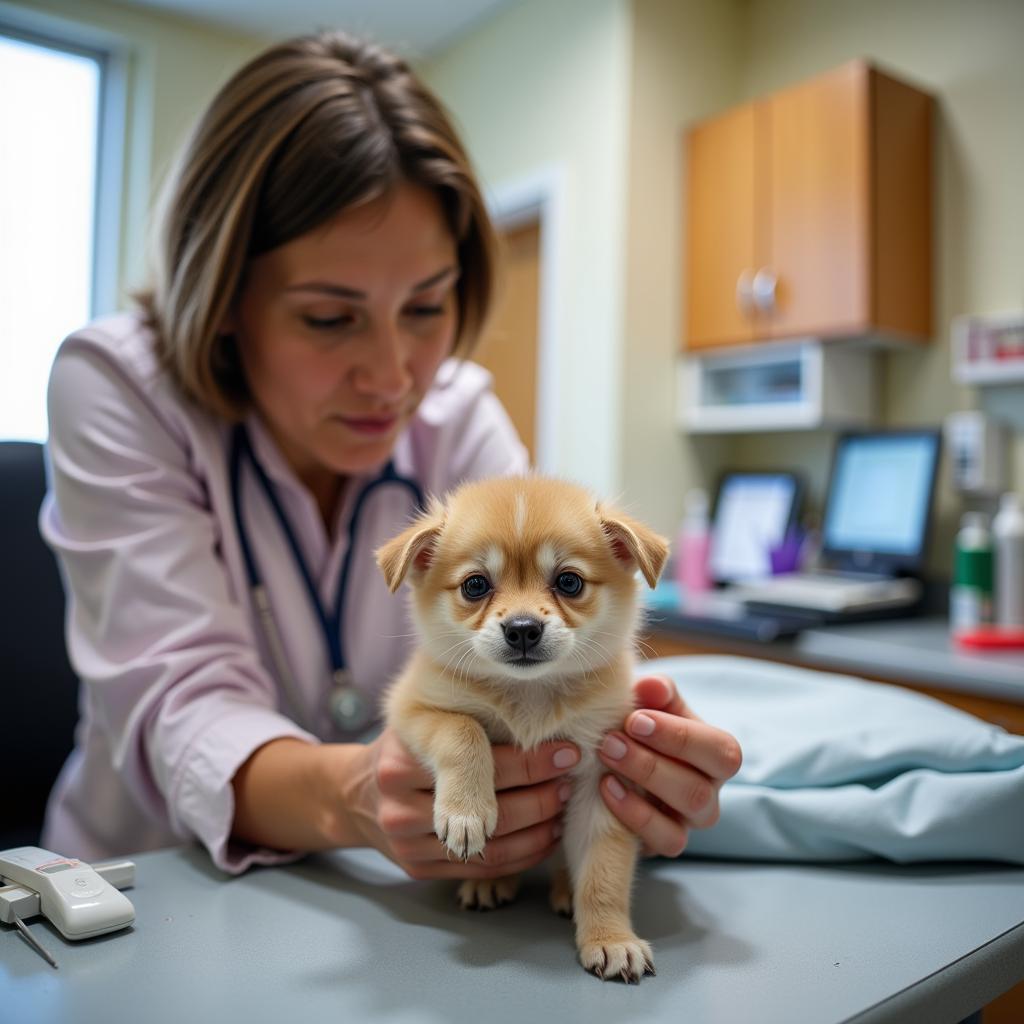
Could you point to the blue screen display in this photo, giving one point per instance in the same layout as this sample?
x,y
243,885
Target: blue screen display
x,y
880,494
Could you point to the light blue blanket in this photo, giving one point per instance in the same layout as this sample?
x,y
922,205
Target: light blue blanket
x,y
836,768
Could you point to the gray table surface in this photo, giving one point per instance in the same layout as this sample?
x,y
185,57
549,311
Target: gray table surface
x,y
347,936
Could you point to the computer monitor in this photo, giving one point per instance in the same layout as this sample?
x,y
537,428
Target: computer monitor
x,y
878,507
753,513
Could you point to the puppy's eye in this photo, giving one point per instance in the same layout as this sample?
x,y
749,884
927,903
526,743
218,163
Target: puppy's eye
x,y
569,583
475,587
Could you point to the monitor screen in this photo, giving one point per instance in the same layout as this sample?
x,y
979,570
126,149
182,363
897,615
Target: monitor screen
x,y
752,513
880,496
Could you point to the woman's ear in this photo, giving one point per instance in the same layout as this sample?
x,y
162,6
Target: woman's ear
x,y
413,549
635,544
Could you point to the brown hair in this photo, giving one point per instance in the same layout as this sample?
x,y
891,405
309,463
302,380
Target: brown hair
x,y
310,127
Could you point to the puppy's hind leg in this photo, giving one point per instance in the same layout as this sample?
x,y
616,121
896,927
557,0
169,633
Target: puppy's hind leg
x,y
602,859
487,893
560,895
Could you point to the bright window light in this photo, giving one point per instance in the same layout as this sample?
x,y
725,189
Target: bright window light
x,y
49,124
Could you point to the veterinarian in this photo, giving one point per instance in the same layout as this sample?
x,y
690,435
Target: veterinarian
x,y
225,459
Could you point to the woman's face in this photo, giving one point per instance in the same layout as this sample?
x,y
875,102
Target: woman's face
x,y
341,331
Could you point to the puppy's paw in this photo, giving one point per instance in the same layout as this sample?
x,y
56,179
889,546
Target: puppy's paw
x,y
487,893
619,956
464,830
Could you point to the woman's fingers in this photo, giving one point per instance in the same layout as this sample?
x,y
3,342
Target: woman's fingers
x,y
679,786
423,856
514,768
670,753
709,750
519,809
661,833
659,693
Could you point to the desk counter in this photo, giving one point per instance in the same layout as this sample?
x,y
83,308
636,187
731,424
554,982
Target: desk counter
x,y
347,936
917,652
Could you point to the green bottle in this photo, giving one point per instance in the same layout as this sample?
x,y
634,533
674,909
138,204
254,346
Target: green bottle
x,y
970,598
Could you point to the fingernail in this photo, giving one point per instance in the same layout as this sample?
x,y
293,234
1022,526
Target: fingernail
x,y
614,748
564,792
641,725
566,757
615,788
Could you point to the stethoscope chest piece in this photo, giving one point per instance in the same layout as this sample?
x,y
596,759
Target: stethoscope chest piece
x,y
350,709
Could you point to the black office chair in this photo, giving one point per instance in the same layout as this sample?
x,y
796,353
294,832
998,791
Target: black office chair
x,y
38,690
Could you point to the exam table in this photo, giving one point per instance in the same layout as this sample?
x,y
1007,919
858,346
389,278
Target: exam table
x,y
346,936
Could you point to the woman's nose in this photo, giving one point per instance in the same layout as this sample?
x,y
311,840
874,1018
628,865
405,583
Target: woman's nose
x,y
384,372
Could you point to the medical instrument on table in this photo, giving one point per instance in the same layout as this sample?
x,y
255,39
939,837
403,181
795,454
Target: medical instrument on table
x,y
350,709
81,901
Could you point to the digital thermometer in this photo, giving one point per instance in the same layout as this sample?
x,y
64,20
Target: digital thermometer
x,y
72,895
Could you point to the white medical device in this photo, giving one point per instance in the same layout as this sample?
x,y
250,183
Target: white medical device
x,y
79,901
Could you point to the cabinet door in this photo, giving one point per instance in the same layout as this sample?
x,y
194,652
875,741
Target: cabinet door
x,y
721,233
818,244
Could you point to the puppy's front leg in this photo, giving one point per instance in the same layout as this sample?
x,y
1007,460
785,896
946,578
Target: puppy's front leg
x,y
602,856
458,752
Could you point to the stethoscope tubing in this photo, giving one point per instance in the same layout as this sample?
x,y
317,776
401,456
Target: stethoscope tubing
x,y
330,622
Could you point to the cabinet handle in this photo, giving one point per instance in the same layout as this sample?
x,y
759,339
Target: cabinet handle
x,y
762,289
745,292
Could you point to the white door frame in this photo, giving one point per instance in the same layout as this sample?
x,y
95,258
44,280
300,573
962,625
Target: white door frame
x,y
540,196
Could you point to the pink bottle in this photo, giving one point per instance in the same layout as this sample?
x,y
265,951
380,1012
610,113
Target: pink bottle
x,y
693,545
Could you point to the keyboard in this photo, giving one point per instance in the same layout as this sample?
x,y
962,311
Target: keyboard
x,y
829,592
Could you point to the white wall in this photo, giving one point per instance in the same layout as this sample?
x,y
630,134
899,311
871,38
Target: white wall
x,y
546,85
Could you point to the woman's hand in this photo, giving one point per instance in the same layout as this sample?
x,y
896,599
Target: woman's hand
x,y
390,801
679,761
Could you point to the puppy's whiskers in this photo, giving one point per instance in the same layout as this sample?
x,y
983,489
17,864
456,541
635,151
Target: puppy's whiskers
x,y
456,646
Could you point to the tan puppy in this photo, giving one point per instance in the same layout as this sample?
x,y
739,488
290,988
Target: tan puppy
x,y
525,597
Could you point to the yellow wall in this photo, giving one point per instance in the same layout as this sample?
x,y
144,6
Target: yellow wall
x,y
685,67
545,86
174,67
970,57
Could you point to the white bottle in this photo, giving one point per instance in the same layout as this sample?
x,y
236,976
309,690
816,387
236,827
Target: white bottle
x,y
1008,541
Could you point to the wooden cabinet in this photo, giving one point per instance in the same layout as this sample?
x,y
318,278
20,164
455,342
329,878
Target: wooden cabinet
x,y
809,214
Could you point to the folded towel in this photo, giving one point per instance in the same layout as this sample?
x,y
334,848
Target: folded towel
x,y
837,768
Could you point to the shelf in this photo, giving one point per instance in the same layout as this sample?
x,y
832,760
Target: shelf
x,y
802,385
988,350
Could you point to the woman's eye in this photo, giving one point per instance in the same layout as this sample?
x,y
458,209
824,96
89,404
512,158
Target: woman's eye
x,y
327,323
475,587
424,311
569,583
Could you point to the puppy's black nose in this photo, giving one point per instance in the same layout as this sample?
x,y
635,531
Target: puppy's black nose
x,y
523,633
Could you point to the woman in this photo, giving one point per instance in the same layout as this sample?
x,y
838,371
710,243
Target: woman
x,y
225,461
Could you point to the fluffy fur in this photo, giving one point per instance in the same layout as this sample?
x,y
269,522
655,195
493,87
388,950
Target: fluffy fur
x,y
525,662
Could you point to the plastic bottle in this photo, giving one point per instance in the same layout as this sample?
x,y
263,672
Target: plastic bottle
x,y
970,597
1008,542
693,544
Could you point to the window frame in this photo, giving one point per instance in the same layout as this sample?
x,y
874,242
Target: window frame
x,y
112,58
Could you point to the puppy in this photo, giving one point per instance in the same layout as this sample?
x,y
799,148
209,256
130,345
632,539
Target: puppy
x,y
525,598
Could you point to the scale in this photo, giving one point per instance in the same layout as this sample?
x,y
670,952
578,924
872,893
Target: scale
x,y
80,900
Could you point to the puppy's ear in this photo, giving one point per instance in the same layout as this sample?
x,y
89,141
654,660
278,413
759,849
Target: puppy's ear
x,y
635,544
413,547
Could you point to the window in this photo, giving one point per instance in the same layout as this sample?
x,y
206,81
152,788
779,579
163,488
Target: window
x,y
51,99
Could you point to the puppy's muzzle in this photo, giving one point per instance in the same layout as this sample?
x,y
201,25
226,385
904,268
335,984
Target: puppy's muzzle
x,y
523,635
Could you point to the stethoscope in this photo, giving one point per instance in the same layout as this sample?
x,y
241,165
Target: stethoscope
x,y
349,708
